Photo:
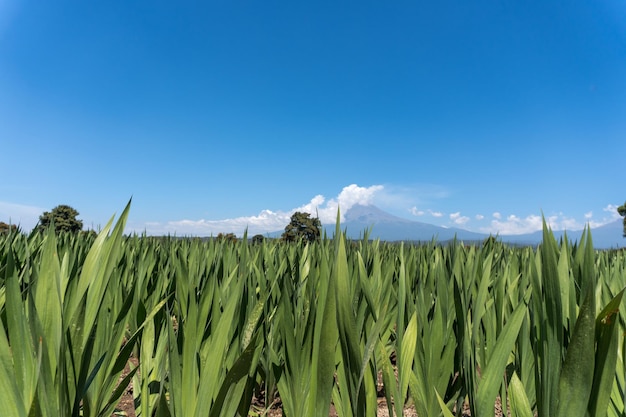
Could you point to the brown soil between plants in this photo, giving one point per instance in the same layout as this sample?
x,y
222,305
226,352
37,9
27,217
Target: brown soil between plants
x,y
126,405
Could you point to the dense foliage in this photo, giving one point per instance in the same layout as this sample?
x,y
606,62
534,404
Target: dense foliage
x,y
7,228
63,217
302,227
212,322
228,237
621,210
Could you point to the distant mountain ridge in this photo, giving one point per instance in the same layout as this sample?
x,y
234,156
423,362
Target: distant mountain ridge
x,y
608,236
367,214
386,226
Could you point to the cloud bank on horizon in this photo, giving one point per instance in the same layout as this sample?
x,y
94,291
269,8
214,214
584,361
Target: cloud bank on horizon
x,y
386,197
271,221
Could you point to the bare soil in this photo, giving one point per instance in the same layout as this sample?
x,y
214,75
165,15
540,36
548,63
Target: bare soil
x,y
126,406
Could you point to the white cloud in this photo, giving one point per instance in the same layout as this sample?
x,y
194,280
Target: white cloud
x,y
612,210
435,213
24,216
515,225
414,211
265,221
269,221
613,215
353,194
348,197
561,222
458,219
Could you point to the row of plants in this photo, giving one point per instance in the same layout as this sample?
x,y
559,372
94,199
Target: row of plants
x,y
213,324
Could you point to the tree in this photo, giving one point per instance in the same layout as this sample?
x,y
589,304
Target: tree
x,y
7,228
302,226
64,218
258,239
227,237
622,212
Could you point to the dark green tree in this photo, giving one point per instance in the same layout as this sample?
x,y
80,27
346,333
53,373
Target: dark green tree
x,y
7,228
227,237
622,212
258,239
302,226
64,218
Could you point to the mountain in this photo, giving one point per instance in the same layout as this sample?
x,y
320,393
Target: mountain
x,y
608,236
385,226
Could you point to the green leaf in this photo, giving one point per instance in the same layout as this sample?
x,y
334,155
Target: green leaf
x,y
493,373
519,404
607,344
406,355
10,393
48,298
25,362
10,397
576,380
226,403
444,408
326,336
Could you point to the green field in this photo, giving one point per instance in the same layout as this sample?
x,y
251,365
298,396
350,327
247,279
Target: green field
x,y
213,324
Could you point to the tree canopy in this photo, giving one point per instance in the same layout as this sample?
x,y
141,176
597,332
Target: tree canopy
x,y
302,226
227,237
622,212
63,217
7,228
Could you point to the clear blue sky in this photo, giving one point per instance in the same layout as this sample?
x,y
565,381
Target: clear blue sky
x,y
214,115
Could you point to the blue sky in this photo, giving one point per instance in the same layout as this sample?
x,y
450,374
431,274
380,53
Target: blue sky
x,y
217,115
